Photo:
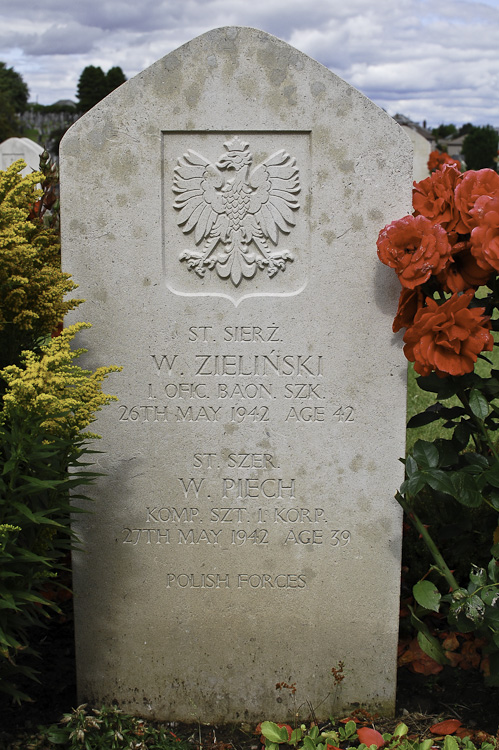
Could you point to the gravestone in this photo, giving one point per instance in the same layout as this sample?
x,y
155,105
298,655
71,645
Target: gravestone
x,y
421,153
220,213
20,148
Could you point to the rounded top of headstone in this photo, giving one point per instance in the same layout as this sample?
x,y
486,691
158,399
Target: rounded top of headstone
x,y
13,149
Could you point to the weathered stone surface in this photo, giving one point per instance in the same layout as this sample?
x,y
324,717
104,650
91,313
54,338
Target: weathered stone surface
x,y
421,153
20,148
245,533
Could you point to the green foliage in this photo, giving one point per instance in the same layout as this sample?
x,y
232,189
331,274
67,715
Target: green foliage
x,y
443,131
107,728
34,530
114,78
32,285
466,128
49,108
13,88
94,85
46,401
480,148
462,470
13,101
333,737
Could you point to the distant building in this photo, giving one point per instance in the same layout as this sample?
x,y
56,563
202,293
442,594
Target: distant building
x,y
454,146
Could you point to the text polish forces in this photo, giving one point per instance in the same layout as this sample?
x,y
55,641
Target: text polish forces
x,y
239,581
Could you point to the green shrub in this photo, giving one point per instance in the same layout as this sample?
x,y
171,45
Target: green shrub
x,y
46,400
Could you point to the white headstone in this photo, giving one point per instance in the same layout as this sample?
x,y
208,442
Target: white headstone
x,y
220,213
421,153
20,148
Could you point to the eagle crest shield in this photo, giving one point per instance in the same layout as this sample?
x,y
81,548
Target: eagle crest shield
x,y
236,215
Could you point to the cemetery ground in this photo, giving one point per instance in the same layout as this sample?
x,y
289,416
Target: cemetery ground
x,y
422,701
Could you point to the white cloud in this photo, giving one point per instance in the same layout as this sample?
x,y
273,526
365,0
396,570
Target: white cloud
x,y
430,59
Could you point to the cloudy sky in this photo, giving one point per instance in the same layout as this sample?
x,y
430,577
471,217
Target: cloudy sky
x,y
433,60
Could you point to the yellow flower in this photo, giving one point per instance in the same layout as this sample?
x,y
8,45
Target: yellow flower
x,y
51,386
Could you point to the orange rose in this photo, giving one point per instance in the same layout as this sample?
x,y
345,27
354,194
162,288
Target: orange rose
x,y
415,248
474,185
485,236
463,272
448,338
410,301
437,159
434,198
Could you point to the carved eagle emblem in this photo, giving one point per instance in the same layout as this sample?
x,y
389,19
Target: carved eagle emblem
x,y
234,213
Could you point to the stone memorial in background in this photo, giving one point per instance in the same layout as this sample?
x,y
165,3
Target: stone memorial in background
x,y
220,214
421,153
20,148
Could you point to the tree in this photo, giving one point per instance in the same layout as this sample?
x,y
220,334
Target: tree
x,y
480,148
443,131
114,78
13,100
13,88
94,85
91,87
466,128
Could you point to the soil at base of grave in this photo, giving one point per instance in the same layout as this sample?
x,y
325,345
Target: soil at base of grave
x,y
453,693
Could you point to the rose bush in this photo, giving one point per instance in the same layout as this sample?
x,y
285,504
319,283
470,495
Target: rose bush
x,y
437,160
446,256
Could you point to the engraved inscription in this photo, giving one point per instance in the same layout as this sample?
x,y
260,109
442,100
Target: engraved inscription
x,y
239,502
236,388
234,213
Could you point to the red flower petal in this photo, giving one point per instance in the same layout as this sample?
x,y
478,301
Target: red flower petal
x,y
370,737
446,727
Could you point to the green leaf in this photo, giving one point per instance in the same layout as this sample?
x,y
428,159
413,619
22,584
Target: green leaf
x,y
427,595
465,490
274,733
476,460
426,454
443,387
493,569
296,735
308,743
492,617
466,613
439,480
431,646
413,485
447,452
490,595
450,743
478,575
314,732
411,466
479,404
350,728
462,434
401,730
492,475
